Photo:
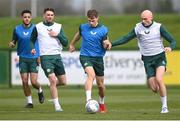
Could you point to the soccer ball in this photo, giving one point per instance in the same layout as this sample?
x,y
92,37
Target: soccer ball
x,y
92,106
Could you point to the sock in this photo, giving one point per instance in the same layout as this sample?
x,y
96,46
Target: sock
x,y
88,95
39,90
56,103
164,101
101,100
29,99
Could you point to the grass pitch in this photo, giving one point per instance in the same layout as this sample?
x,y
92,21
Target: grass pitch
x,y
123,103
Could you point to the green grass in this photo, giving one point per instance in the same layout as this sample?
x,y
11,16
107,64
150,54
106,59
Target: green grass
x,y
118,26
123,103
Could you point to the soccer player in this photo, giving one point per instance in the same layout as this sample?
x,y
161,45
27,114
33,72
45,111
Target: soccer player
x,y
28,63
149,33
51,38
94,36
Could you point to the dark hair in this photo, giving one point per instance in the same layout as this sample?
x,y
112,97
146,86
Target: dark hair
x,y
25,11
92,13
49,9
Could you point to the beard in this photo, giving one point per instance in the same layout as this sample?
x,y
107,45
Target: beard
x,y
26,23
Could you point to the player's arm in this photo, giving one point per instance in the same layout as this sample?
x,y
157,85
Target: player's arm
x,y
124,39
63,38
165,34
106,43
12,43
33,40
75,39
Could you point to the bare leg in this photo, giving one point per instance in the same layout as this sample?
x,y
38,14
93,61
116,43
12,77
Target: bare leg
x,y
162,88
89,81
100,84
54,92
61,81
53,89
26,88
33,77
36,85
159,78
158,82
152,83
101,87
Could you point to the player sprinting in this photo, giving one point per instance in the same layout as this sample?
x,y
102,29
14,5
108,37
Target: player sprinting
x,y
28,63
92,51
149,33
51,38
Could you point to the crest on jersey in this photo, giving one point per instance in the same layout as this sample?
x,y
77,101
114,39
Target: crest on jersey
x,y
85,64
146,31
93,33
48,70
49,29
26,33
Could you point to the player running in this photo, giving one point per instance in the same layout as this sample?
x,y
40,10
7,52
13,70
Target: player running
x,y
149,33
28,63
51,38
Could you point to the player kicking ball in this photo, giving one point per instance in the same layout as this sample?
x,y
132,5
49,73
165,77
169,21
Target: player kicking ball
x,y
94,36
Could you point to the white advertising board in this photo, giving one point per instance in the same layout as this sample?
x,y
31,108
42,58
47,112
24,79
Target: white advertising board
x,y
121,68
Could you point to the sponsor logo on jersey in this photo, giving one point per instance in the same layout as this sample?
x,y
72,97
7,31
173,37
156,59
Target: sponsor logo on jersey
x,y
93,33
49,29
25,33
146,31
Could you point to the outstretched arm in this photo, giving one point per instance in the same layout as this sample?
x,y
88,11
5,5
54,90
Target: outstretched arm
x,y
12,43
75,39
122,40
165,34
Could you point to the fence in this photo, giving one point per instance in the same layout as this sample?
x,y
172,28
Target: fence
x,y
126,68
